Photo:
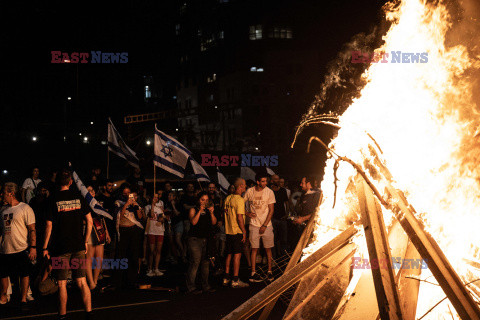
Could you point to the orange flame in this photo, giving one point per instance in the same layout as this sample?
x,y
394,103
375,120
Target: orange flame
x,y
416,113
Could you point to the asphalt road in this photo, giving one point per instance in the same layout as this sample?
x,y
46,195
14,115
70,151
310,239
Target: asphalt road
x,y
154,303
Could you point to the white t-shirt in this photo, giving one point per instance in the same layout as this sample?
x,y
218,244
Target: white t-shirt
x,y
30,187
155,227
258,202
15,221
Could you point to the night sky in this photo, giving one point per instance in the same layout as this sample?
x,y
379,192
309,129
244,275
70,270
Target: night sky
x,y
34,91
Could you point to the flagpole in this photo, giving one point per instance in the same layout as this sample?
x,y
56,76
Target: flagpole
x,y
154,178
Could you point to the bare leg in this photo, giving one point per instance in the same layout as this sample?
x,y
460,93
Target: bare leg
x,y
90,254
99,250
24,288
254,258
227,264
4,288
87,300
150,257
269,258
62,297
236,264
158,253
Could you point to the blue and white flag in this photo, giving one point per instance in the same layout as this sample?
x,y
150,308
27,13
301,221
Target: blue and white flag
x,y
222,182
119,147
247,173
92,202
270,171
169,154
200,173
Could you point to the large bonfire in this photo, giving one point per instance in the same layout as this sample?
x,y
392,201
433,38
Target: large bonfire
x,y
423,118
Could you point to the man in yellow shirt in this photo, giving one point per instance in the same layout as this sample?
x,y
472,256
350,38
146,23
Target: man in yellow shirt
x,y
234,210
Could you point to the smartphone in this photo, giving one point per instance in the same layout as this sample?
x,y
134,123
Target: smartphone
x,y
130,196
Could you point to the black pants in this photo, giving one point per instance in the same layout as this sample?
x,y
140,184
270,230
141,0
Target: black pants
x,y
128,247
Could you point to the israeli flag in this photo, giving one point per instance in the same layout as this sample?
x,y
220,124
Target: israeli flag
x,y
200,173
270,171
222,182
92,202
247,173
119,147
170,155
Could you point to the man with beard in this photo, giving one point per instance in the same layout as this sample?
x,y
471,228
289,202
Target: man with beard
x,y
308,201
260,207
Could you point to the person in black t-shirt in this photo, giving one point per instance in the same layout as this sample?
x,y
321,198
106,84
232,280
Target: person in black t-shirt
x,y
202,219
308,201
64,227
279,219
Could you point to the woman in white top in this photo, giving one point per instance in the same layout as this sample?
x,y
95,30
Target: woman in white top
x,y
155,231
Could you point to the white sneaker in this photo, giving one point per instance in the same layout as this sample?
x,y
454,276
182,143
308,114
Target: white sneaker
x,y
151,273
158,273
239,284
30,297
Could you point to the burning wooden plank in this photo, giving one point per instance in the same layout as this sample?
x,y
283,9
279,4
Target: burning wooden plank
x,y
407,283
358,305
339,245
327,292
379,252
297,253
438,264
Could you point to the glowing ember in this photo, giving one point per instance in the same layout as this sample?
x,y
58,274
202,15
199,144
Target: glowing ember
x,y
423,118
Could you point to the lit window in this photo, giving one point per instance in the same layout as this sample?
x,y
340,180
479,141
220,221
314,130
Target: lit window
x,y
212,78
177,29
221,34
148,93
256,32
253,69
259,69
280,33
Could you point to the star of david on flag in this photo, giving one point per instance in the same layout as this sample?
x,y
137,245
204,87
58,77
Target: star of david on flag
x,y
170,155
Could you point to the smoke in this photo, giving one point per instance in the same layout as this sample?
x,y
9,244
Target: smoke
x,y
343,81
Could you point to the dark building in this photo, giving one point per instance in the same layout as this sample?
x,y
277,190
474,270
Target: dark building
x,y
248,70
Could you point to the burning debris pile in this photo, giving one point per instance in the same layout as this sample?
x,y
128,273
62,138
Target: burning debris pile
x,y
412,133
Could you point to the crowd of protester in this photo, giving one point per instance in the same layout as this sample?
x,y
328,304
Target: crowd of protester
x,y
50,236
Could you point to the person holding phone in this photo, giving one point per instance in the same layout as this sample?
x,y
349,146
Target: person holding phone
x,y
130,233
155,231
202,220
